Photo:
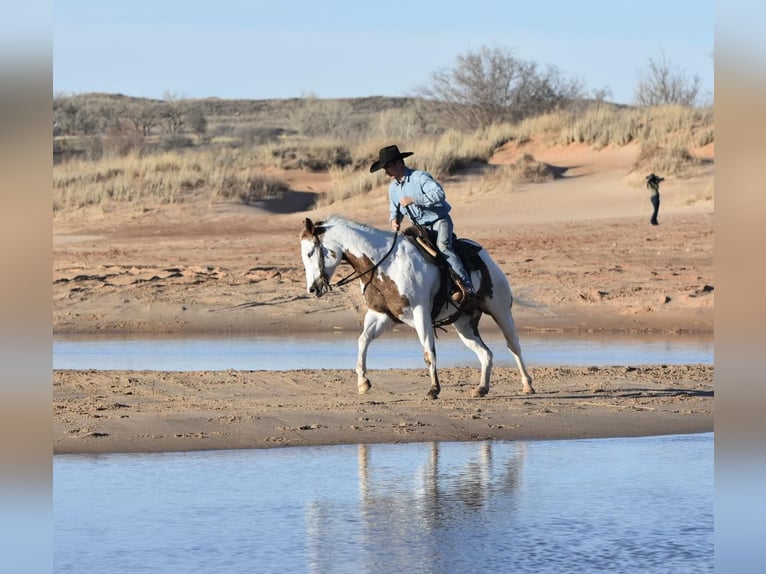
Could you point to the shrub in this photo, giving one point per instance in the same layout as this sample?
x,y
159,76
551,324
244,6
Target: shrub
x,y
250,189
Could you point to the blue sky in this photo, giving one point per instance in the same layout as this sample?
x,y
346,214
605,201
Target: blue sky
x,y
351,48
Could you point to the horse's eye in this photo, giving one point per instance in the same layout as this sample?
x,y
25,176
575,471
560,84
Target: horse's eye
x,y
311,253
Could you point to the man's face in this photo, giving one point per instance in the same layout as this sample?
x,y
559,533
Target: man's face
x,y
395,169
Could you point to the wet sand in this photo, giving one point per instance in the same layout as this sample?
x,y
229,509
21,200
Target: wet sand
x,y
149,411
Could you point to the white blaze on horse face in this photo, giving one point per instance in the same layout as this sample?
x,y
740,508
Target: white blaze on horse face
x,y
311,252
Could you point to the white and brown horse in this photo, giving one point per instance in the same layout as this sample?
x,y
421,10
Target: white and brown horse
x,y
400,285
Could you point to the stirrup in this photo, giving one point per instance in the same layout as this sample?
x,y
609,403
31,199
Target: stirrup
x,y
463,294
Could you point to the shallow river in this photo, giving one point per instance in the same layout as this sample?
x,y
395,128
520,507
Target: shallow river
x,y
618,505
338,351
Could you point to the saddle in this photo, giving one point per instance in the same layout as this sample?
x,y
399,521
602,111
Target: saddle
x,y
466,249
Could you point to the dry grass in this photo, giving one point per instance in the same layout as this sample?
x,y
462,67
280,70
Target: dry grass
x,y
527,169
300,153
672,159
346,184
166,178
691,197
251,188
235,166
609,125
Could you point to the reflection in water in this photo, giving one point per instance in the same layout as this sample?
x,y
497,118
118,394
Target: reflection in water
x,y
414,521
624,505
427,523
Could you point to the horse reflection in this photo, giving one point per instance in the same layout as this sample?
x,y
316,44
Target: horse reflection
x,y
441,500
415,521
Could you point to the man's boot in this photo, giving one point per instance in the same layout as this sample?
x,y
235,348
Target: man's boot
x,y
463,293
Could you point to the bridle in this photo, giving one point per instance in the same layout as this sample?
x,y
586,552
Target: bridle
x,y
325,280
355,274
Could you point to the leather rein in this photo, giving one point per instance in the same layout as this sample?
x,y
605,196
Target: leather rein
x,y
355,274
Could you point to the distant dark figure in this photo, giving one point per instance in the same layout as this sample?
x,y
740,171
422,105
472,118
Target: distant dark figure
x,y
653,185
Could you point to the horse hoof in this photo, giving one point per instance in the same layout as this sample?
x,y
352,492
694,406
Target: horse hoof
x,y
432,394
479,392
528,390
364,387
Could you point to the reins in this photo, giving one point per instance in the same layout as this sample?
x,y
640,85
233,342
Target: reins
x,y
358,275
423,233
354,275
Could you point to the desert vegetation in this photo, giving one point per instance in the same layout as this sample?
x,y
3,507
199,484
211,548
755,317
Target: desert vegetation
x,y
113,149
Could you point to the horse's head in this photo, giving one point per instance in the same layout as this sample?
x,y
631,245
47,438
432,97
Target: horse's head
x,y
319,260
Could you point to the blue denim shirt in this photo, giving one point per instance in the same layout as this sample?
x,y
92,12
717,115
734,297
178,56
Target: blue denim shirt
x,y
430,199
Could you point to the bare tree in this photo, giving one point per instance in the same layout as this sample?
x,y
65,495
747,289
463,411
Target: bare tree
x,y
492,85
173,113
661,83
65,112
143,117
197,122
320,117
602,94
73,117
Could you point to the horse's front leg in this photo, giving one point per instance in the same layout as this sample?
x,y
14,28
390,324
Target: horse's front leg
x,y
374,324
425,330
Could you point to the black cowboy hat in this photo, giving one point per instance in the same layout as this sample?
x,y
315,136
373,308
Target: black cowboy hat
x,y
388,154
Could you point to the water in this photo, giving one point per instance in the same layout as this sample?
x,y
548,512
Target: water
x,y
401,350
618,505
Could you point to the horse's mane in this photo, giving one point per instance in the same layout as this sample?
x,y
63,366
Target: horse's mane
x,y
336,219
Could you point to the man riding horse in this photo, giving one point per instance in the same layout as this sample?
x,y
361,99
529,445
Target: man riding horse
x,y
424,200
400,285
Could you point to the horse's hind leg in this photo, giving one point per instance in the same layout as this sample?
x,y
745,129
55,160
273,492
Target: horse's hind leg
x,y
504,320
467,328
374,324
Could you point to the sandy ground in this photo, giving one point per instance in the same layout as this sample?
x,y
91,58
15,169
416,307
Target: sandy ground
x,y
579,252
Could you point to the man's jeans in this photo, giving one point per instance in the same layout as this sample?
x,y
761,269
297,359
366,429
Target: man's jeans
x,y
443,229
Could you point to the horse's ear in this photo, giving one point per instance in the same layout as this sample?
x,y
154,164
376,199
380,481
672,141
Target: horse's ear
x,y
309,226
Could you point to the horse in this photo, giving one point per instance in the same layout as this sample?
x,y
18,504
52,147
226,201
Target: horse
x,y
400,285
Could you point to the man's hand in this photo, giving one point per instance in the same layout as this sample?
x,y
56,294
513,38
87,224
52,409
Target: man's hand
x,y
407,200
394,225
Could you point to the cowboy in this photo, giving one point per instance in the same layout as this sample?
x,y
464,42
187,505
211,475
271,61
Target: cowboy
x,y
422,198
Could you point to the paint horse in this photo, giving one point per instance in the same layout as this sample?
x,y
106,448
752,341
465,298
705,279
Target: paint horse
x,y
400,285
